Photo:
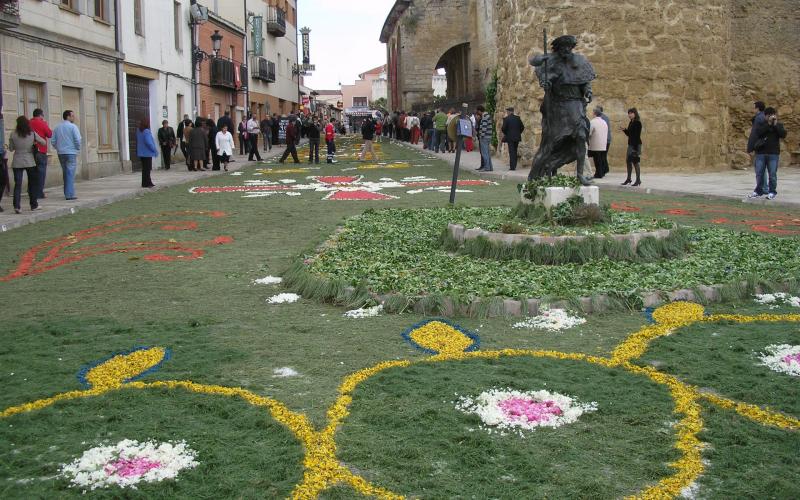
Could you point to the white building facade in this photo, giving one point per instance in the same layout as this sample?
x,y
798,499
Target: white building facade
x,y
157,72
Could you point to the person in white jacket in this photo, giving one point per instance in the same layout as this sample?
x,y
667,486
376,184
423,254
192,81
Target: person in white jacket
x,y
224,143
598,143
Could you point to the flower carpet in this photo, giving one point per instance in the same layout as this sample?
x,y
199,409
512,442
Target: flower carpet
x,y
204,374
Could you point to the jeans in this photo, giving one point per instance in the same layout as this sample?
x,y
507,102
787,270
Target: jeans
x,y
313,150
33,186
69,165
331,150
268,141
486,155
769,164
440,141
41,170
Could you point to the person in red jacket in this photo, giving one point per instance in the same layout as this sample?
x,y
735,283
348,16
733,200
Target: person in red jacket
x,y
291,140
330,138
40,126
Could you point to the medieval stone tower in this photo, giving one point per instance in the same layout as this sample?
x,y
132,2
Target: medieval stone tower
x,y
692,68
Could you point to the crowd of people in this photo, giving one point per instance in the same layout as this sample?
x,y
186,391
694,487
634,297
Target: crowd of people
x,y
209,145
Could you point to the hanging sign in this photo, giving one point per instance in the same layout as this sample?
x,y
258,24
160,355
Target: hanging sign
x,y
258,33
306,46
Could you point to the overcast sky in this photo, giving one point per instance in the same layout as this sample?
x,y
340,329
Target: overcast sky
x,y
344,38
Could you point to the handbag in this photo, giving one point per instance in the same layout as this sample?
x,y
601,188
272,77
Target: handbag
x,y
760,144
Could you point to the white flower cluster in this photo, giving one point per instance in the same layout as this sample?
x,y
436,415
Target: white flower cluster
x,y
284,372
553,320
283,298
269,280
488,407
783,358
99,467
364,312
776,299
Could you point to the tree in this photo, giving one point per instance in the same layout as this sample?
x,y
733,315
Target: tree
x,y
378,104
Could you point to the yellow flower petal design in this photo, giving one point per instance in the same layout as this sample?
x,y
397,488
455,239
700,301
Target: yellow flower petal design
x,y
122,367
678,312
441,338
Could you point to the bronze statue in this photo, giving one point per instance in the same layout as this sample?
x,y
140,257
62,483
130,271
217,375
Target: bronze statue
x,y
567,82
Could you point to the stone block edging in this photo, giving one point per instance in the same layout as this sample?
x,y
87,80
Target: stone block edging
x,y
461,234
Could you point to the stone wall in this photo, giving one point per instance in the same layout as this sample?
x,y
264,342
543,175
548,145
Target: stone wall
x,y
427,30
692,68
765,66
666,58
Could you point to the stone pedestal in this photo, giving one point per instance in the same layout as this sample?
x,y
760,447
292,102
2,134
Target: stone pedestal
x,y
555,195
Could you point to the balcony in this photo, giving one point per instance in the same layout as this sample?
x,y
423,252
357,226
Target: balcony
x,y
9,13
263,70
223,74
276,22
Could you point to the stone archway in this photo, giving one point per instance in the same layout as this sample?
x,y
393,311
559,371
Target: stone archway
x,y
455,62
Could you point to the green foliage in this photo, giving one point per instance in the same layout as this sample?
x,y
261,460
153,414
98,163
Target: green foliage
x,y
491,105
512,228
398,251
534,189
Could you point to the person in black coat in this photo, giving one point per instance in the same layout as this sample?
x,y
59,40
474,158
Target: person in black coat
x,y
212,144
166,139
512,130
767,147
225,120
633,158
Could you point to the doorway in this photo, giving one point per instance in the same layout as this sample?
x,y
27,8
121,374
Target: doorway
x,y
138,109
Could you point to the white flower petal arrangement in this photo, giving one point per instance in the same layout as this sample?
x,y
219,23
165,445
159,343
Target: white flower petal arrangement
x,y
508,410
782,358
283,298
553,320
776,299
284,372
364,312
268,280
129,463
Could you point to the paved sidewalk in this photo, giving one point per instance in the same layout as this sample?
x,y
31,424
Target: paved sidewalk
x,y
731,184
106,190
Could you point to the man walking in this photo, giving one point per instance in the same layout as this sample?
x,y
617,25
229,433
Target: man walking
x,y
440,131
608,139
767,147
367,134
166,139
291,141
512,130
485,139
252,138
313,133
67,141
266,130
598,142
39,125
330,138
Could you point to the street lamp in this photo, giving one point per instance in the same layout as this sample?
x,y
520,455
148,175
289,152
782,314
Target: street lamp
x,y
216,42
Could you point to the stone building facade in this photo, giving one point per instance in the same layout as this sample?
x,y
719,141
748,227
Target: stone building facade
x,y
62,55
693,69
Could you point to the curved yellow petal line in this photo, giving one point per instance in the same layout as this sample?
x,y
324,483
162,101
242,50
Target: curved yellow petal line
x,y
764,416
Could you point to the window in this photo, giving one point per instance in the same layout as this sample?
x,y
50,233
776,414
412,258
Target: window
x,y
279,64
231,52
176,14
138,27
360,102
70,5
31,96
100,11
105,120
179,106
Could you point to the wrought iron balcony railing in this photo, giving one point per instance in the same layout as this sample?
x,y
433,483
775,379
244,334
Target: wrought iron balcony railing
x,y
276,22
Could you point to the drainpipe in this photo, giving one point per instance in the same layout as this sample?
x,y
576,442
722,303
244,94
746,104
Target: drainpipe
x,y
122,132
246,62
195,88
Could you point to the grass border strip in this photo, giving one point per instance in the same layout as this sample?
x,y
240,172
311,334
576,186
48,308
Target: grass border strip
x,y
300,280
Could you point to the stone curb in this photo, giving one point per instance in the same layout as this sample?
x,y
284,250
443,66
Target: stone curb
x,y
461,234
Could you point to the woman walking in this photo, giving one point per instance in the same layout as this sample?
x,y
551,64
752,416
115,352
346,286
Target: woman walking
x,y
21,143
146,151
224,143
198,142
634,156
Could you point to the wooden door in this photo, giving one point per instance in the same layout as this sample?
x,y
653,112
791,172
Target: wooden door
x,y
138,109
